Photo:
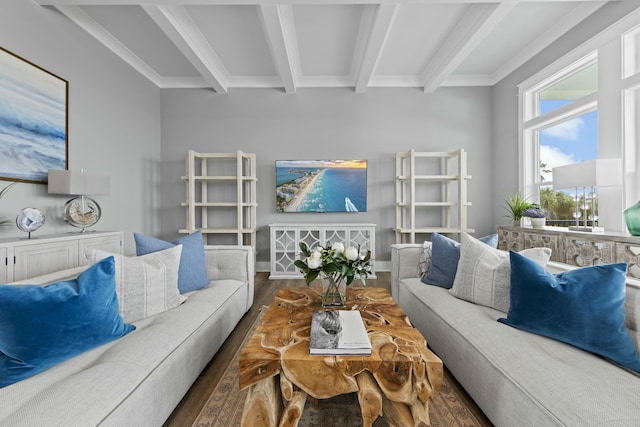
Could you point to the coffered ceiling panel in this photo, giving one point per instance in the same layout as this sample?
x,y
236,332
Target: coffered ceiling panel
x,y
286,45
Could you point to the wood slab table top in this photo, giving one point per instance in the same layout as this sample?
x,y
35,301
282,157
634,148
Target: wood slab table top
x,y
399,376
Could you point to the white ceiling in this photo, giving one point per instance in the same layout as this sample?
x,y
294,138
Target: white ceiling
x,y
294,44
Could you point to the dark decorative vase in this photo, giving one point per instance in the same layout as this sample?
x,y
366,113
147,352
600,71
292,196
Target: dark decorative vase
x,y
632,217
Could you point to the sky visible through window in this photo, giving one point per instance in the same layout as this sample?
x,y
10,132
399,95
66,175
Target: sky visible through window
x,y
571,141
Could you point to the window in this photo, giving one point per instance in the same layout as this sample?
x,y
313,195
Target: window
x,y
582,82
583,107
562,129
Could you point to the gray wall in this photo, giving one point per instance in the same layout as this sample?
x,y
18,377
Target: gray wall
x,y
114,122
327,123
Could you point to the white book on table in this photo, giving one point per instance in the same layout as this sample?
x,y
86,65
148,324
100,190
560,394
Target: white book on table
x,y
338,332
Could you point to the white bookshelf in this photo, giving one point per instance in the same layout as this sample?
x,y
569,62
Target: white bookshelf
x,y
431,194
221,197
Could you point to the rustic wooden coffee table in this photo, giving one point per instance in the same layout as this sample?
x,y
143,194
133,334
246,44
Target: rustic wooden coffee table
x,y
396,381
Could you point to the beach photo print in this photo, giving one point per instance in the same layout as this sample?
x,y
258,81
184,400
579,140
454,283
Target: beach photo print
x,y
321,185
33,120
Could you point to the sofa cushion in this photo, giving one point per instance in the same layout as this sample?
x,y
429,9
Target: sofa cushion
x,y
192,274
483,274
145,285
582,307
41,326
444,259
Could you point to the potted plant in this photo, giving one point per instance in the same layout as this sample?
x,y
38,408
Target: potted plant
x,y
537,214
336,266
516,205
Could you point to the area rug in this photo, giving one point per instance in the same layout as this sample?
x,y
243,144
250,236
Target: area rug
x,y
451,407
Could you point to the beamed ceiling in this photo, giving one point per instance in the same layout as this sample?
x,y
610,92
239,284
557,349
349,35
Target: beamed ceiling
x,y
223,45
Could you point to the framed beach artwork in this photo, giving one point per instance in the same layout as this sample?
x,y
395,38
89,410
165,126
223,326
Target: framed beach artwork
x,y
33,120
321,185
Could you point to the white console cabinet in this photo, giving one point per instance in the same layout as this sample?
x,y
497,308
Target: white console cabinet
x,y
25,258
286,238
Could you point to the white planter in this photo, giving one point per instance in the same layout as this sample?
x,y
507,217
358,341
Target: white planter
x,y
538,222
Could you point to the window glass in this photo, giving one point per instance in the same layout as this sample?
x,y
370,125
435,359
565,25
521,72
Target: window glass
x,y
570,141
576,85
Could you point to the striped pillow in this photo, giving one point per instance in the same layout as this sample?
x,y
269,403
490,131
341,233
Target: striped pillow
x,y
147,284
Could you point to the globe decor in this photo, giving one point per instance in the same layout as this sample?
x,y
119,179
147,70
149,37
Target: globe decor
x,y
337,268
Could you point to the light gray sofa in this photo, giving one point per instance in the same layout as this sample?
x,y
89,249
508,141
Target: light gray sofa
x,y
140,378
517,378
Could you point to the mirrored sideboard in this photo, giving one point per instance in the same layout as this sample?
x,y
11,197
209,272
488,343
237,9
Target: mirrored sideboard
x,y
575,247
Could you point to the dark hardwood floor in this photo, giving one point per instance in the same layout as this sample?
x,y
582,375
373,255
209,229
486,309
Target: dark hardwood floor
x,y
265,292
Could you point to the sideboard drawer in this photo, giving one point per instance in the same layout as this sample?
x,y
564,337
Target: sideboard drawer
x,y
583,252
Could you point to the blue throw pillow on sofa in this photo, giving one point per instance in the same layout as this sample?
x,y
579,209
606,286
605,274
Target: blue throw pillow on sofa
x,y
41,326
445,254
582,307
192,271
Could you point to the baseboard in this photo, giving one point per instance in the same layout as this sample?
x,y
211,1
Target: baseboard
x,y
265,266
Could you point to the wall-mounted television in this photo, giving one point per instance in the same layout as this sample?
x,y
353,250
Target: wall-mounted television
x,y
321,185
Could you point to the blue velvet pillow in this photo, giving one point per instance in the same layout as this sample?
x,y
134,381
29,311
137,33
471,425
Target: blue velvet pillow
x,y
445,254
41,326
192,271
582,307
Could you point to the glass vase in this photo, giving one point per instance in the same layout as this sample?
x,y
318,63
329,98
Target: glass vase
x,y
334,291
632,218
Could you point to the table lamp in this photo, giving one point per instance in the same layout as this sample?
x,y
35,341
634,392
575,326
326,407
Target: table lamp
x,y
81,212
590,173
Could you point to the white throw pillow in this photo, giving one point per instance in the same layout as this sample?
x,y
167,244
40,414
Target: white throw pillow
x,y
484,273
145,285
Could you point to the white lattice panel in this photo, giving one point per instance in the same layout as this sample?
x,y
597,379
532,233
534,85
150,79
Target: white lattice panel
x,y
286,238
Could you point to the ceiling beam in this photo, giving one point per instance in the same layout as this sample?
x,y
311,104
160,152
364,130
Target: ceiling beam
x,y
84,21
178,25
279,28
478,21
371,38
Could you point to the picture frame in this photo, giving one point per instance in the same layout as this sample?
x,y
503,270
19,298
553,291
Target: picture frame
x,y
33,120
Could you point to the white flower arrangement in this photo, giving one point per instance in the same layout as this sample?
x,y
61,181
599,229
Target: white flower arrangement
x,y
335,262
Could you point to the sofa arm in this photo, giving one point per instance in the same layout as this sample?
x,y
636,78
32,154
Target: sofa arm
x,y
405,258
231,262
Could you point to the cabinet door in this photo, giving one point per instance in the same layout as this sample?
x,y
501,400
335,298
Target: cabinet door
x,y
37,259
4,266
284,252
541,240
109,243
630,255
583,252
510,240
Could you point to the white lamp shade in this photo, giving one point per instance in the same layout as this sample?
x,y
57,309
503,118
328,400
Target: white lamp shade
x,y
590,173
78,183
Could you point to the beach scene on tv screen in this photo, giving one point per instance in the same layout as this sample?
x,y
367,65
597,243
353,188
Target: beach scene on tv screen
x,y
321,185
